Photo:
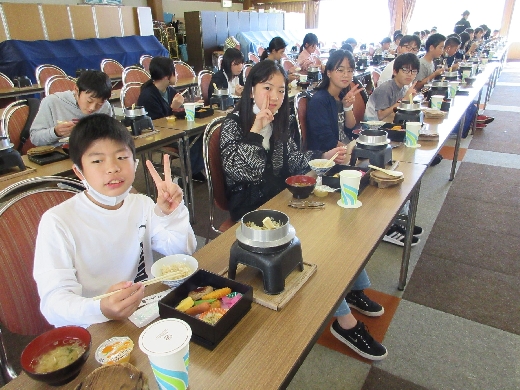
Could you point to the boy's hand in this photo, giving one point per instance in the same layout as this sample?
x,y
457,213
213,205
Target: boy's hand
x,y
64,128
411,91
177,101
169,194
122,304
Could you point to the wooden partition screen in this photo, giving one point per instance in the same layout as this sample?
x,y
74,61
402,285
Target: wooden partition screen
x,y
31,22
206,30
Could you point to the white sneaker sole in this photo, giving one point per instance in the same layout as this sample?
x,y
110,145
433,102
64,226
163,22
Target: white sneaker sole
x,y
354,348
367,313
397,238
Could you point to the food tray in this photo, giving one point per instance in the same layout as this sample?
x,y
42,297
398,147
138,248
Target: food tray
x,y
333,182
394,135
203,112
205,334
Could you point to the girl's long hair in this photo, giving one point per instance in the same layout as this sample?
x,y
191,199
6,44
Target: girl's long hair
x,y
310,39
260,73
231,56
276,44
334,61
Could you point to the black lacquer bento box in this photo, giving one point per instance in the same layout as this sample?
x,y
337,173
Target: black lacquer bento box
x,y
329,180
203,333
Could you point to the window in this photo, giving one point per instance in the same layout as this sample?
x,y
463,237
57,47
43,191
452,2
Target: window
x,y
366,21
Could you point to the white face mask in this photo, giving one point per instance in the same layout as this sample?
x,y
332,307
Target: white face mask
x,y
105,199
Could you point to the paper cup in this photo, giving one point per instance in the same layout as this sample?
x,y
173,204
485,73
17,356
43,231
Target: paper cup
x,y
349,182
484,61
190,111
436,101
167,344
303,78
412,133
466,73
454,87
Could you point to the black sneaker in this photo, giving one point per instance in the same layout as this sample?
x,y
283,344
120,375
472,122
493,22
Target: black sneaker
x,y
359,340
417,230
437,159
396,235
199,176
357,299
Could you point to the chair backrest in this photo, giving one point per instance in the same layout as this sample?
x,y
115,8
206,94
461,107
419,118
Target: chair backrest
x,y
13,121
360,103
19,220
300,106
288,64
5,82
375,77
204,80
145,61
219,61
183,70
43,72
134,74
214,171
245,71
253,58
111,67
130,93
260,51
59,83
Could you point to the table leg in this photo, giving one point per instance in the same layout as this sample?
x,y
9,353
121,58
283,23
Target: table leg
x,y
457,146
410,224
188,173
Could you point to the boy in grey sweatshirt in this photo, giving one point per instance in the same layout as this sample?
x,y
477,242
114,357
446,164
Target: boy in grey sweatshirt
x,y
59,112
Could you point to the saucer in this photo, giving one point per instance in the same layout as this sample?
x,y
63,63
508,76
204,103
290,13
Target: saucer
x,y
414,146
355,206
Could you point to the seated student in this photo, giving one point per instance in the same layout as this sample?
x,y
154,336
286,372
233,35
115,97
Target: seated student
x,y
258,153
309,54
395,44
384,46
408,44
451,55
352,42
275,52
434,49
387,96
160,98
59,112
330,111
230,74
101,240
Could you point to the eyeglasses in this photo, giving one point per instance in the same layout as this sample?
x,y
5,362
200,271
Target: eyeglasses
x,y
408,71
342,70
411,49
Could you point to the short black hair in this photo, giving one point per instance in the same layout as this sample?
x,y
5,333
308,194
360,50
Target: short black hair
x,y
95,127
405,40
231,56
398,36
406,59
351,41
385,40
161,67
452,41
96,83
434,40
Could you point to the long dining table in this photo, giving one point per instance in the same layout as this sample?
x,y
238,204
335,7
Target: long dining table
x,y
266,348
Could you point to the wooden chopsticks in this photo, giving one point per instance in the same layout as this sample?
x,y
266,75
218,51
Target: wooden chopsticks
x,y
169,276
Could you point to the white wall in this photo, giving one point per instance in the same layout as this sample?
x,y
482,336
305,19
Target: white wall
x,y
179,7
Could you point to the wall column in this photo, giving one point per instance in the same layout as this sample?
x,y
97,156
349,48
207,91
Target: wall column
x,y
157,9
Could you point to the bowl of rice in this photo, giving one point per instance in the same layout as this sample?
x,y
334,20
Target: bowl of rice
x,y
185,265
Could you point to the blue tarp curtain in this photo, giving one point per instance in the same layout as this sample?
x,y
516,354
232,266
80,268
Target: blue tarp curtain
x,y
20,58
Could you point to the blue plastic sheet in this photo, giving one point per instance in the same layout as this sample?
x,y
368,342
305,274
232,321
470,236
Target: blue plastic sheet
x,y
250,41
21,58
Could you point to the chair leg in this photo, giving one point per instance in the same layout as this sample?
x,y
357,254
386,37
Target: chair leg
x,y
7,371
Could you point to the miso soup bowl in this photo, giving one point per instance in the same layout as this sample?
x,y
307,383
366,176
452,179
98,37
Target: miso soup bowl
x,y
50,340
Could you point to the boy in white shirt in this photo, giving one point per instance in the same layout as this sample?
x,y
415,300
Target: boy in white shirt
x,y
101,240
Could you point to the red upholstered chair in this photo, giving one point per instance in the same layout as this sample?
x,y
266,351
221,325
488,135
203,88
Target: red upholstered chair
x,y
129,94
260,51
360,103
215,174
13,118
113,69
59,83
204,80
300,106
43,72
253,58
19,220
145,61
288,64
5,82
245,71
183,70
375,76
134,74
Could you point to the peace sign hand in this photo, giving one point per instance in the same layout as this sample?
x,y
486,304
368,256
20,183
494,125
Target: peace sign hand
x,y
350,97
169,194
264,117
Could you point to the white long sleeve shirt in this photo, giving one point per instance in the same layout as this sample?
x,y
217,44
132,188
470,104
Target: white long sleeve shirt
x,y
83,249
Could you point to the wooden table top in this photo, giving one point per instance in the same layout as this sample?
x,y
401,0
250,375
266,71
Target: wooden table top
x,y
340,241
185,82
14,91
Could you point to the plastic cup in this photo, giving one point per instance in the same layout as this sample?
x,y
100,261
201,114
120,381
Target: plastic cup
x,y
190,111
454,86
349,182
436,101
303,78
412,133
167,344
466,73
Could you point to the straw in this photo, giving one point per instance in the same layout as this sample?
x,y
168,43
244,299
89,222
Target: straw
x,y
169,276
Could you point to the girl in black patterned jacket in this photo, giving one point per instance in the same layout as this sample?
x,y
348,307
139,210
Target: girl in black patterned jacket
x,y
257,150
